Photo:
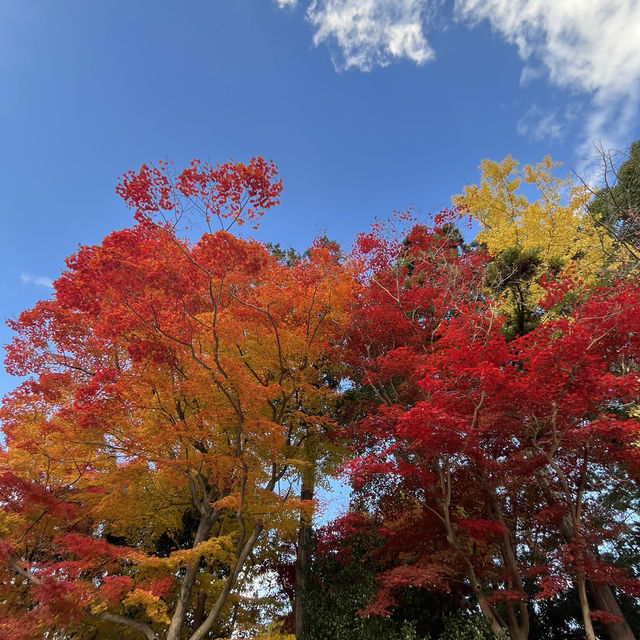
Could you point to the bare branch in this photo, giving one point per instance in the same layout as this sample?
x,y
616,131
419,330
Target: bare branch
x,y
132,624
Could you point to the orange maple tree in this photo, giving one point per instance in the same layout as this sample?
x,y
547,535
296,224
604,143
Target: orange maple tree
x,y
172,389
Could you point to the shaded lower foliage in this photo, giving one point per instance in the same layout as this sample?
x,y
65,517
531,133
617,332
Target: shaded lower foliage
x,y
343,582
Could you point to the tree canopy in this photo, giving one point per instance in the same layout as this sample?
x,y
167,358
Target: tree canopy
x,y
186,390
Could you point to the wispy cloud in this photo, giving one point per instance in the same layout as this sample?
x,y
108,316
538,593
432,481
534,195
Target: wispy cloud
x,y
38,281
286,3
538,124
590,45
585,46
372,33
530,73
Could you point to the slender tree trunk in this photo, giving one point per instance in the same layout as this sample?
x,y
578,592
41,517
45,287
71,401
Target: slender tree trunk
x,y
518,624
495,622
497,626
584,608
604,600
202,631
198,613
603,597
303,558
177,620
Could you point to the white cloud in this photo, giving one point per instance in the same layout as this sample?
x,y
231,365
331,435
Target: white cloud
x,y
538,124
38,281
371,33
530,73
589,46
286,3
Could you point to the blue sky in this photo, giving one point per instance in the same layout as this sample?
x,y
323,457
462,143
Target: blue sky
x,y
366,105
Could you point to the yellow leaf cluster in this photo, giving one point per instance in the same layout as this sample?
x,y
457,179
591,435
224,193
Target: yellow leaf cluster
x,y
154,607
132,506
9,522
98,607
273,631
530,208
218,549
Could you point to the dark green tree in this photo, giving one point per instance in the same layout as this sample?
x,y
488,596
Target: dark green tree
x,y
616,206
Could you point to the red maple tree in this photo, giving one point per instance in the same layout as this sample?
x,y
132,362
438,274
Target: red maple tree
x,y
490,461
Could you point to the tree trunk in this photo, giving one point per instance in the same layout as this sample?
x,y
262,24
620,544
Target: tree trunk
x,y
177,620
198,614
604,600
584,608
303,555
497,627
201,632
603,597
518,623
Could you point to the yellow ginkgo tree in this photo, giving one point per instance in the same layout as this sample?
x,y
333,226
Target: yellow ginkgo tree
x,y
533,221
532,208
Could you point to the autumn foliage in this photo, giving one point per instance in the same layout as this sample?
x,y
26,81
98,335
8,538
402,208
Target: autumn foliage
x,y
170,382
491,461
185,389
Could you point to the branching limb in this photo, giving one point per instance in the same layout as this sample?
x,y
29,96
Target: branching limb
x,y
132,624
